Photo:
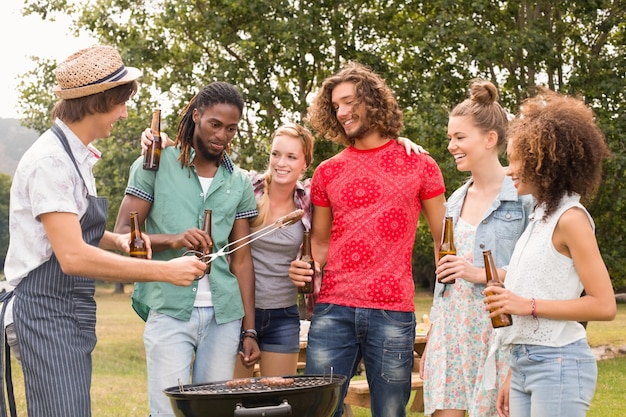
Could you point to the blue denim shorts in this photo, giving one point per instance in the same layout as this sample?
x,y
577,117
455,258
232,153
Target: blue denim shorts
x,y
278,329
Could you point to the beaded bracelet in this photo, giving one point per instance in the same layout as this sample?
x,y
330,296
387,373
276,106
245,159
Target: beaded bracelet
x,y
533,312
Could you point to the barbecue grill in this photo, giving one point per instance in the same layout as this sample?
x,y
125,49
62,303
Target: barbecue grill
x,y
295,395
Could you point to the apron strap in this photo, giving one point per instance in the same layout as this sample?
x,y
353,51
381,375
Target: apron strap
x,y
5,356
59,134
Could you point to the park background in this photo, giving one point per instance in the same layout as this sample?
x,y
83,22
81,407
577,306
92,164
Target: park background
x,y
279,51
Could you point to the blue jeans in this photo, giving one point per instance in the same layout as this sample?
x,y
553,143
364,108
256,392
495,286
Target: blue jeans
x,y
340,337
170,348
552,381
278,329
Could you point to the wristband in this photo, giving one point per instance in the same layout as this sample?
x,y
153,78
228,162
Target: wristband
x,y
249,333
533,311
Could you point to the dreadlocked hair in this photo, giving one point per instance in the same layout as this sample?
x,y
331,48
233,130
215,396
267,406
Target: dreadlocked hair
x,y
217,92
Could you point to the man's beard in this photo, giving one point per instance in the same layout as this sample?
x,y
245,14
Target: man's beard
x,y
358,134
206,153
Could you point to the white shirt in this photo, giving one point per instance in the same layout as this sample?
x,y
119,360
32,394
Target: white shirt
x,y
45,181
538,270
204,297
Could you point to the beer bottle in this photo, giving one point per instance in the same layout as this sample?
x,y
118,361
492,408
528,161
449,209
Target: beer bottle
x,y
307,257
447,243
153,154
504,319
137,244
206,226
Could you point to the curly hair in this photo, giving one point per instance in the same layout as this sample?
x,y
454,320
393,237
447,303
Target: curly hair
x,y
307,140
382,109
561,148
484,109
217,92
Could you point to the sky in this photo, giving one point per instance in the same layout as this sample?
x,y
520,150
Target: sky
x,y
23,37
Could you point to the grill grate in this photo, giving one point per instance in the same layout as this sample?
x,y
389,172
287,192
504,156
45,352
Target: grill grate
x,y
255,385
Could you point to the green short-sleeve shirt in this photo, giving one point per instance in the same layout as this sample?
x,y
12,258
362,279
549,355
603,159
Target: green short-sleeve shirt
x,y
178,203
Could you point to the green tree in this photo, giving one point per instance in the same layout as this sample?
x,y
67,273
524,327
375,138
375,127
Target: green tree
x,y
279,51
576,47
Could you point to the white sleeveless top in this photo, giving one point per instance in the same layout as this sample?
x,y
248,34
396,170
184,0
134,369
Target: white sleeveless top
x,y
538,270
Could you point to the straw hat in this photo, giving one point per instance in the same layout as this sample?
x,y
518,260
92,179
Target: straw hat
x,y
92,70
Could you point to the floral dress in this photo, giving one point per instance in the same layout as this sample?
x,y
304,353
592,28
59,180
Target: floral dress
x,y
490,378
459,339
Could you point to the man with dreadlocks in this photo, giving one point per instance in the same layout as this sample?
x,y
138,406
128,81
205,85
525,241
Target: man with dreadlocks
x,y
196,328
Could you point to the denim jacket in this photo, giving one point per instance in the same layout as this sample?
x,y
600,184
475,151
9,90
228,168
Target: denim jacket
x,y
498,231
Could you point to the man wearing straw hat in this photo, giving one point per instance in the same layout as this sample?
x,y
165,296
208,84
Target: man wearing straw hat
x,y
58,243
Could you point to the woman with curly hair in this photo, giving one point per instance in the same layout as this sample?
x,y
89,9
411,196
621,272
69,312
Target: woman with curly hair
x,y
555,153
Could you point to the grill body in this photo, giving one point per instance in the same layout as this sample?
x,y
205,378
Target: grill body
x,y
308,396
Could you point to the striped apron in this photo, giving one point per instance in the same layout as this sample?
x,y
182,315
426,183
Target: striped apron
x,y
55,323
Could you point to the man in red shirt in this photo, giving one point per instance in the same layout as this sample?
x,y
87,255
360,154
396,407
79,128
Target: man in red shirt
x,y
367,201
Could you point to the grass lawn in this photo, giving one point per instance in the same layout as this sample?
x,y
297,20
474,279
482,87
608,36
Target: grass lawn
x,y
119,386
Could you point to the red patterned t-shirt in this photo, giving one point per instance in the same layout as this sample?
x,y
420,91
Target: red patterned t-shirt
x,y
376,196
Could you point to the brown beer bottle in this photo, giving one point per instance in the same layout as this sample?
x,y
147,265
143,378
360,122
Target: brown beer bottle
x,y
206,226
504,319
306,256
447,243
153,154
137,244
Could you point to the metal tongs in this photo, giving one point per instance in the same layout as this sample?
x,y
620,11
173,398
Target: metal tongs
x,y
284,221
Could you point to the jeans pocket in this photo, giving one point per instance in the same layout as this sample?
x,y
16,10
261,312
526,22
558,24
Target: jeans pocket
x,y
587,378
397,361
291,311
544,357
399,318
322,309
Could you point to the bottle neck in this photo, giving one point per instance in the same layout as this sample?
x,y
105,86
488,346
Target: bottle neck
x,y
448,232
155,126
491,271
207,224
134,225
306,246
